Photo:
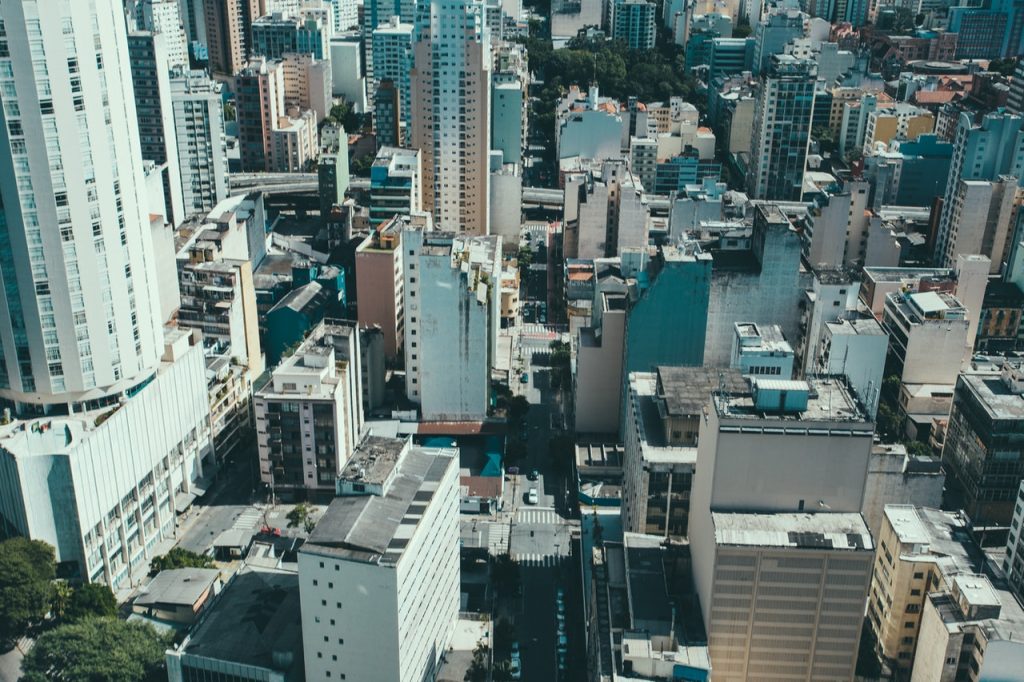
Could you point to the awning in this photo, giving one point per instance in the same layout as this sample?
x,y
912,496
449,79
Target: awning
x,y
183,501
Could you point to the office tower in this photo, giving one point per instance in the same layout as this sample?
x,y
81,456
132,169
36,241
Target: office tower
x,y
228,33
387,115
452,304
162,16
309,410
928,334
782,129
276,35
981,151
979,220
773,33
379,290
380,572
510,102
395,184
781,555
345,14
982,452
392,60
202,145
729,56
663,414
451,119
332,176
633,23
154,113
380,12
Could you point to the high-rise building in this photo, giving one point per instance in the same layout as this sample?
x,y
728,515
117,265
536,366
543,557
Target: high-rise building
x,y
229,33
81,323
392,60
379,281
193,20
781,554
772,33
981,151
451,119
633,22
982,454
378,13
380,572
276,35
452,314
782,129
163,17
309,410
979,221
154,113
387,115
202,144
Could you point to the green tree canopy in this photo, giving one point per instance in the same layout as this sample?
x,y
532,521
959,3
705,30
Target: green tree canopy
x,y
27,569
98,650
180,558
302,515
91,601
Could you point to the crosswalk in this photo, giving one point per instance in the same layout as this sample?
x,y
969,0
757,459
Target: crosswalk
x,y
497,538
247,520
537,516
536,329
538,560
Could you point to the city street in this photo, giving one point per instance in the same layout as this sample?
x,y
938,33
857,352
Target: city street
x,y
540,534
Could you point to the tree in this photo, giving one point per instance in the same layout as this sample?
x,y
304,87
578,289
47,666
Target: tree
x,y
479,667
1005,67
826,139
302,515
518,406
92,600
179,558
916,448
27,569
62,592
98,649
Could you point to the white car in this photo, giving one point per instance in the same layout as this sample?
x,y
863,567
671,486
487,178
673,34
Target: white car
x,y
531,497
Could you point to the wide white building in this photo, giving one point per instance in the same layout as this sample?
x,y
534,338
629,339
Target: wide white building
x,y
452,298
202,144
380,572
104,486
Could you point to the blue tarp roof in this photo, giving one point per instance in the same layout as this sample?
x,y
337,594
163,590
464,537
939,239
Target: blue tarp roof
x,y
439,442
493,465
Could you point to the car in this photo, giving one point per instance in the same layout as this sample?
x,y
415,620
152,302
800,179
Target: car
x,y
562,665
513,470
531,497
515,669
533,475
515,649
559,594
563,643
524,378
561,608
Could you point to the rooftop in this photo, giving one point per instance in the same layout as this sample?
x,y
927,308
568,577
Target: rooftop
x,y
828,400
180,586
376,529
649,600
861,326
995,395
825,530
687,390
374,460
255,621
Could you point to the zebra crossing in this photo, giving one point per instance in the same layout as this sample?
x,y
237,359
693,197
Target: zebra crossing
x,y
536,329
537,516
497,538
247,520
538,560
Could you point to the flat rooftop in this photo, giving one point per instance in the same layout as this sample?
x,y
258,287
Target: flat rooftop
x,y
255,621
374,460
649,600
995,396
828,401
861,326
376,529
823,530
687,390
179,586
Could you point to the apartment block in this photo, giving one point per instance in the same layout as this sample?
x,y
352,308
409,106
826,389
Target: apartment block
x,y
633,22
761,350
452,309
980,220
309,411
394,532
275,35
197,104
927,336
379,279
228,33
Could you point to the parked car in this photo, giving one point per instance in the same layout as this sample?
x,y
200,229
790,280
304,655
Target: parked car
x,y
524,378
563,644
515,668
533,475
531,497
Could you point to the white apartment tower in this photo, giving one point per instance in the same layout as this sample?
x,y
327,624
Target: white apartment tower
x,y
202,146
80,316
164,17
380,572
451,118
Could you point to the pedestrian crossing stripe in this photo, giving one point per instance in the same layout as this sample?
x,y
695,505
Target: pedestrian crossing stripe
x,y
538,516
538,560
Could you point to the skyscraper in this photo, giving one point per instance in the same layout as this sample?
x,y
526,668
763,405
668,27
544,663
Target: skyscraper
x,y
451,121
202,149
981,151
162,16
228,33
80,318
782,129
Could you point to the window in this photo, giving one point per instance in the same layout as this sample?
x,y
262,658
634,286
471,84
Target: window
x,y
913,608
315,582
339,604
918,576
323,602
332,621
906,640
319,654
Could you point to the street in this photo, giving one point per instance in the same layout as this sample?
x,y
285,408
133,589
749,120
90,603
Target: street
x,y
540,540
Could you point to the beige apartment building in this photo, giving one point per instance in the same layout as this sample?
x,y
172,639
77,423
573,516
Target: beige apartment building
x,y
379,284
228,30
